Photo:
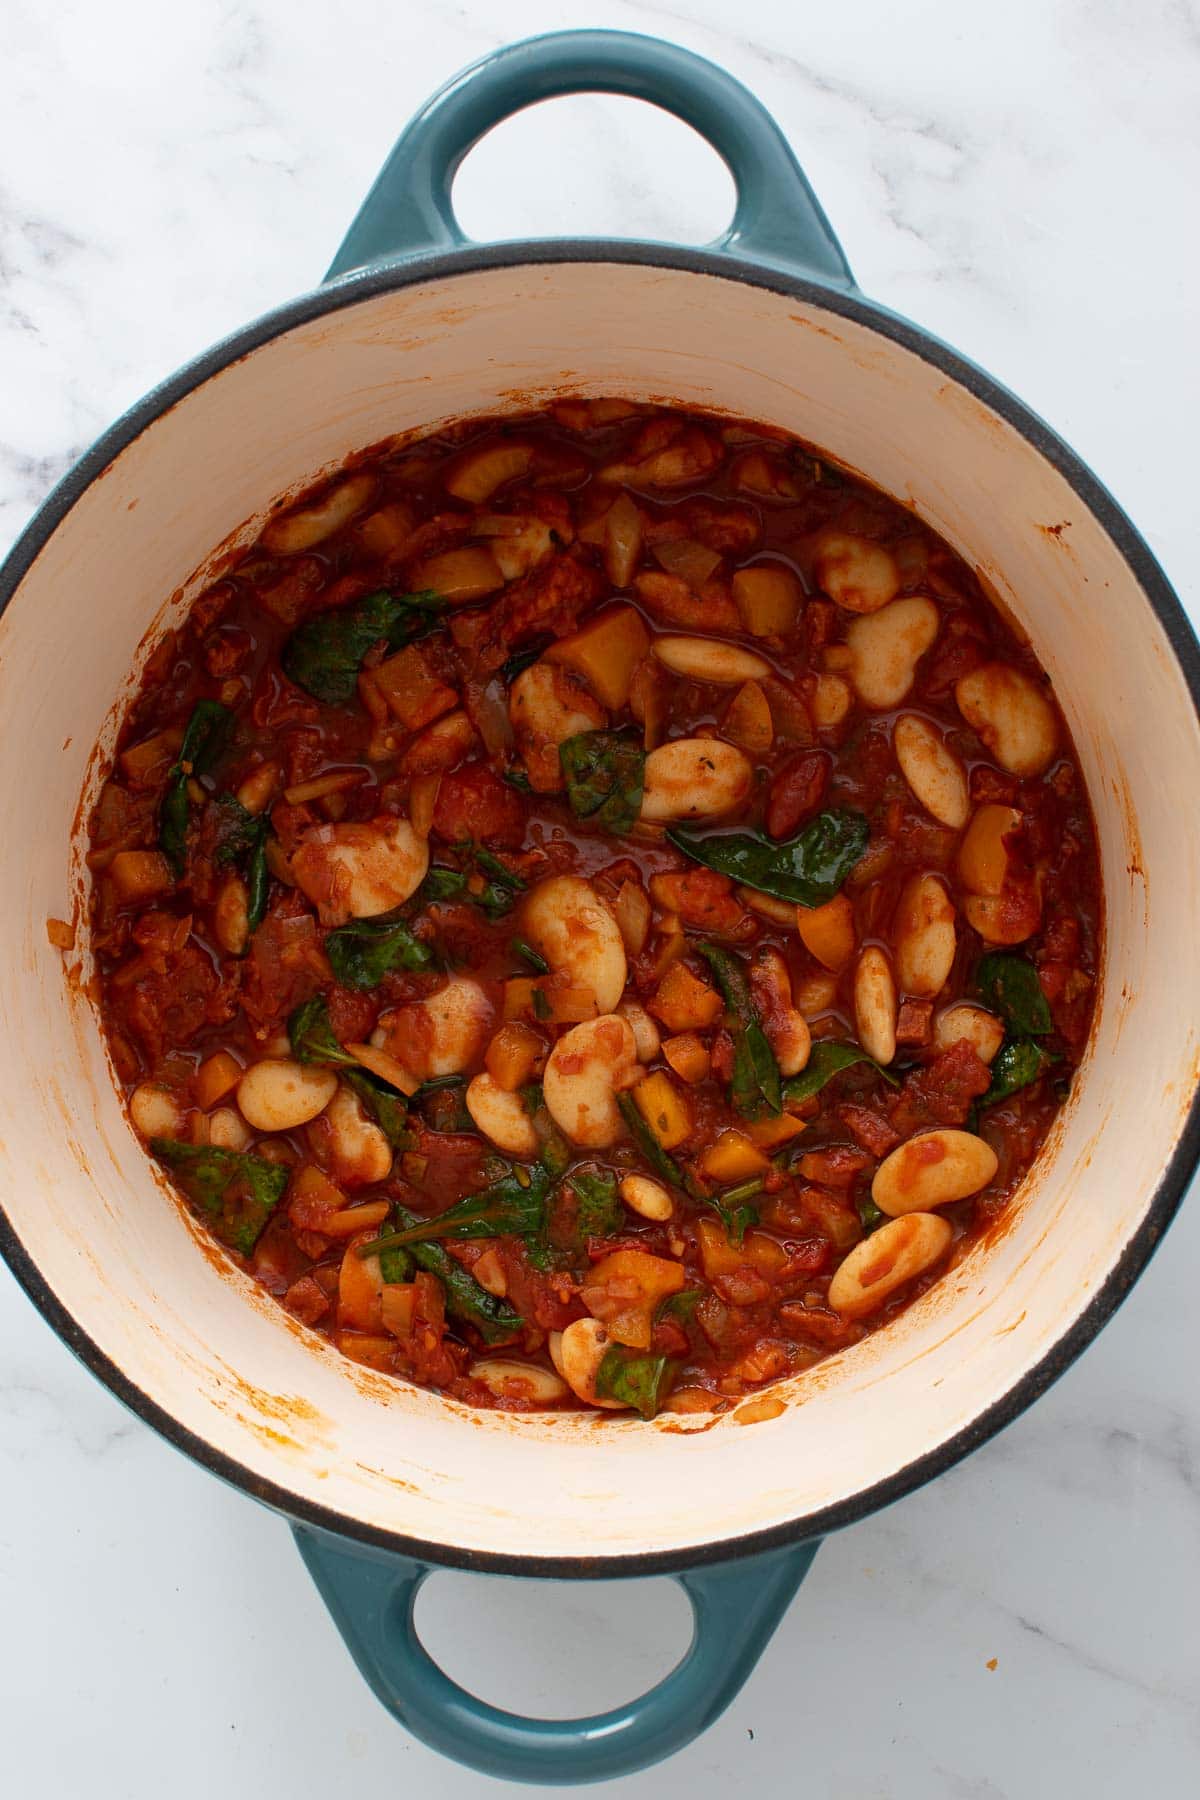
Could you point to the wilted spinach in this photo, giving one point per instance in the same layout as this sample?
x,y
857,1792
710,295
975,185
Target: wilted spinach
x,y
754,1087
807,869
362,952
237,1192
1016,1065
466,1299
313,1040
824,1062
513,1206
604,771
1010,985
639,1381
324,654
205,738
242,842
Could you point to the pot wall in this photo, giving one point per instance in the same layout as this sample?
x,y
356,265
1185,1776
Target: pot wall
x,y
155,1297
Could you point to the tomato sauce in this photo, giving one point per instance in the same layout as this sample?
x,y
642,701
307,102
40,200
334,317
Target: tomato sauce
x,y
576,853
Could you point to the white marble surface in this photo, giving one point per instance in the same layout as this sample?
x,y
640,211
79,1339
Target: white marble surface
x,y
1022,180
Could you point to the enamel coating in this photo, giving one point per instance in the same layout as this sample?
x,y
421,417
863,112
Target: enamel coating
x,y
145,1299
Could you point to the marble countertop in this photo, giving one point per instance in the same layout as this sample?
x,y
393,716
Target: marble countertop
x,y
1023,181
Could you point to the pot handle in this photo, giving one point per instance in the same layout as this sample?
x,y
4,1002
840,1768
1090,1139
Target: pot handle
x,y
372,1593
410,210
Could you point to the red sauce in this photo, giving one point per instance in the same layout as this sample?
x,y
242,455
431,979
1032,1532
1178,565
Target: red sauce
x,y
742,588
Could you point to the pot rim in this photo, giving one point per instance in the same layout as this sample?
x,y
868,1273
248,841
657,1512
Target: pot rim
x,y
383,278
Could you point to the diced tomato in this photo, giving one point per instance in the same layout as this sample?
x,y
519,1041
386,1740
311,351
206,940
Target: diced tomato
x,y
797,791
473,802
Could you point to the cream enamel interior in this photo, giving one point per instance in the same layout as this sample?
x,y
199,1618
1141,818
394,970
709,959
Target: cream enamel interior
x,y
197,1336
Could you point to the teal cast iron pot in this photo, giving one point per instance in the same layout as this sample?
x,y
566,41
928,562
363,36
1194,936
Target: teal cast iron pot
x,y
414,327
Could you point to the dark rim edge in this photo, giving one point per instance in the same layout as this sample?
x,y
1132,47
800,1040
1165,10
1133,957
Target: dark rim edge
x,y
364,285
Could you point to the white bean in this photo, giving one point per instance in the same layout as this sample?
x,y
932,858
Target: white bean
x,y
974,1024
709,659
786,1028
831,701
441,1035
649,1199
501,1116
983,855
301,530
227,1130
546,706
155,1111
933,1169
231,916
278,1095
875,1008
358,1151
859,575
355,871
510,1379
885,648
932,770
1001,919
586,1069
1012,716
565,919
645,1032
577,1354
695,778
891,1256
924,937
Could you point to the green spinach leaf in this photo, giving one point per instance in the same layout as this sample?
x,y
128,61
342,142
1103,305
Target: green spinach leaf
x,y
466,1299
242,840
605,772
808,869
754,1088
598,1211
1010,985
1016,1065
662,1164
237,1192
824,1062
528,954
312,1039
510,1207
362,952
205,738
324,654
641,1382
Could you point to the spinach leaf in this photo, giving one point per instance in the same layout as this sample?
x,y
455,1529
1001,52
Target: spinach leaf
x,y
825,1061
242,839
362,952
597,1208
1017,1064
808,869
681,1306
323,656
869,1214
258,885
465,1298
730,1205
510,1207
528,954
312,1038
604,772
641,1382
313,1041
237,1192
395,1265
444,1105
499,889
206,736
648,1144
1010,985
755,1086
555,1154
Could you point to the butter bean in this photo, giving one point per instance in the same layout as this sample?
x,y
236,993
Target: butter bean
x,y
925,938
885,648
933,1169
932,770
884,1262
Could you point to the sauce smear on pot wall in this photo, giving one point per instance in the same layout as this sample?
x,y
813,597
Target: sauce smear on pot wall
x,y
595,908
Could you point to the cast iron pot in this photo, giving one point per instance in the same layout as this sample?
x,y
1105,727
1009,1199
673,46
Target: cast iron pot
x,y
413,327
